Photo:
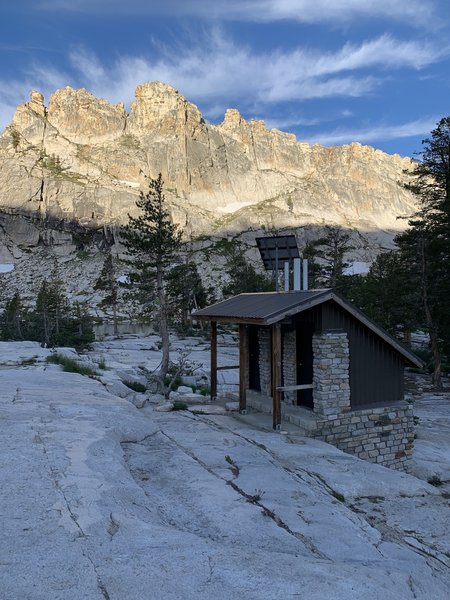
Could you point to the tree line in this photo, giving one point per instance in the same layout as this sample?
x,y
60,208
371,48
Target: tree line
x,y
406,289
53,321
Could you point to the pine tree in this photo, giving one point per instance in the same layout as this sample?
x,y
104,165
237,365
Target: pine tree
x,y
185,292
388,294
107,283
78,329
52,310
331,250
13,319
153,241
426,244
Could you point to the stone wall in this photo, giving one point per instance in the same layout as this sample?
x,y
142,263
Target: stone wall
x,y
265,361
331,390
289,365
381,435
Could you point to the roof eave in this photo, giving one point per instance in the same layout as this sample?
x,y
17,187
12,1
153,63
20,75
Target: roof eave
x,y
222,319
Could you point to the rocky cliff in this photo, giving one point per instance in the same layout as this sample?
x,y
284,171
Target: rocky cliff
x,y
82,161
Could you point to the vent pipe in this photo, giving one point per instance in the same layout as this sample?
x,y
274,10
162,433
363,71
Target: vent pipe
x,y
286,276
297,269
305,273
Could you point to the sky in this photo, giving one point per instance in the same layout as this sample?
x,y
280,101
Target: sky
x,y
330,71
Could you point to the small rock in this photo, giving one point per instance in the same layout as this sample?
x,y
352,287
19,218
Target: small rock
x,y
166,407
138,401
232,406
194,398
207,409
184,389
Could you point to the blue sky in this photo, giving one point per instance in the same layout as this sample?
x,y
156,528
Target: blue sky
x,y
330,71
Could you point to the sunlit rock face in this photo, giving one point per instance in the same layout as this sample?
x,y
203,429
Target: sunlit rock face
x,y
82,155
83,160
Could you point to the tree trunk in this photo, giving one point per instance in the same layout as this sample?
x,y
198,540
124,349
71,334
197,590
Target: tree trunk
x,y
115,324
437,380
163,325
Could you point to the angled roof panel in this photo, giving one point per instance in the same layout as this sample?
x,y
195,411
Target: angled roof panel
x,y
266,308
276,250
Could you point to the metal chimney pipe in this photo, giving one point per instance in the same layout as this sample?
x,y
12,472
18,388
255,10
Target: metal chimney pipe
x,y
297,269
286,276
305,273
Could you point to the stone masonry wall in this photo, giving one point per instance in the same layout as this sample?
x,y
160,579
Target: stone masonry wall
x,y
381,435
290,365
265,369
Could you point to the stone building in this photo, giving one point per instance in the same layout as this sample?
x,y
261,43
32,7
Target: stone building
x,y
311,358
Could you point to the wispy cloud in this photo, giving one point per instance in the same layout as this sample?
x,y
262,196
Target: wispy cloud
x,y
235,73
374,134
416,12
13,92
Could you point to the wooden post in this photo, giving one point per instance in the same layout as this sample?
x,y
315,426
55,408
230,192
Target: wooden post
x,y
276,370
243,367
213,360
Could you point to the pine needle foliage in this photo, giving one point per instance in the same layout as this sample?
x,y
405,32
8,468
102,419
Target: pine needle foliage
x,y
153,241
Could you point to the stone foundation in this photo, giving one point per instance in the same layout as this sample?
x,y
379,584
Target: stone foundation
x,y
289,370
383,434
265,368
380,434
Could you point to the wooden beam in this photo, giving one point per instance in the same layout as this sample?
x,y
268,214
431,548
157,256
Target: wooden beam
x,y
243,367
294,388
276,370
213,360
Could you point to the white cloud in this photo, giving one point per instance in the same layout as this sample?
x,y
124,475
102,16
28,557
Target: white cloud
x,y
377,133
235,73
15,91
232,74
418,12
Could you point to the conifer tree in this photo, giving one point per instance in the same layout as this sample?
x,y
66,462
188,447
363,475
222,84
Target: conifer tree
x,y
331,250
52,309
426,244
388,294
13,319
153,240
185,292
107,283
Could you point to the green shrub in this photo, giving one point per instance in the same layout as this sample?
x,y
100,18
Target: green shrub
x,y
83,254
175,383
29,361
178,405
338,496
233,466
70,365
15,137
136,386
435,480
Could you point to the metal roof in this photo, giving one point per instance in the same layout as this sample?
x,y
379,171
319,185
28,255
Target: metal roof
x,y
266,308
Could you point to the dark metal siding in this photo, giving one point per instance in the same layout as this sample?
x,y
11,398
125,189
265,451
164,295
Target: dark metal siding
x,y
376,369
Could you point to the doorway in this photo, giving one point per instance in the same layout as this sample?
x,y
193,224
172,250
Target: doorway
x,y
305,364
254,377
